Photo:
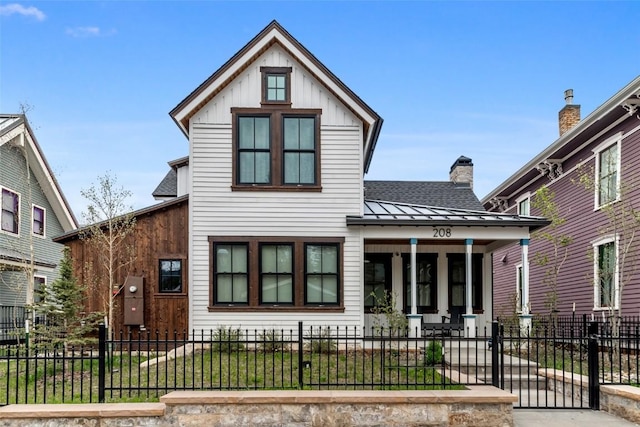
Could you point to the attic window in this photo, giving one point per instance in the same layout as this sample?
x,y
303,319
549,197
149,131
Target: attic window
x,y
276,87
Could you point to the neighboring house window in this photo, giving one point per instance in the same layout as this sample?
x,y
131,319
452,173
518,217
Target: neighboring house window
x,y
276,87
426,282
519,287
377,279
608,171
605,274
38,225
276,272
39,283
524,204
322,273
10,219
170,275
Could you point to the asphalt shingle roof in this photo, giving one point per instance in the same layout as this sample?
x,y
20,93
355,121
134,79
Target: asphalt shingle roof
x,y
168,187
445,194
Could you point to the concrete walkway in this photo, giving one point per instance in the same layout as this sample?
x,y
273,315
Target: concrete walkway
x,y
567,418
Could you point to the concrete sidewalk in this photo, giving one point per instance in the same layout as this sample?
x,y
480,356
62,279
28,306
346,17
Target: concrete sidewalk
x,y
567,418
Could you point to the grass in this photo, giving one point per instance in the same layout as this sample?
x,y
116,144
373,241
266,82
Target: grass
x,y
57,380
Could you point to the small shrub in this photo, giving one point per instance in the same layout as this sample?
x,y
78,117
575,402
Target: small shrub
x,y
227,340
271,341
433,354
322,342
385,311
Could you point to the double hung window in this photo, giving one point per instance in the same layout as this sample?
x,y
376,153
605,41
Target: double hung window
x,y
426,282
607,177
605,274
276,272
10,216
38,225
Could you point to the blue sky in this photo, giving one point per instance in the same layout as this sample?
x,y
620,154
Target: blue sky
x,y
480,79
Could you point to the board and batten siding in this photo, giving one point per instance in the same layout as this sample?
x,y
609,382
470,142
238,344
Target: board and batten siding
x,y
584,225
216,210
15,177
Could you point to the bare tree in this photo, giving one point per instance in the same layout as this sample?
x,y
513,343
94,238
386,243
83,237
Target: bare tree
x,y
110,222
554,258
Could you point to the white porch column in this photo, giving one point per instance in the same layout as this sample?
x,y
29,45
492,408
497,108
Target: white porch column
x,y
415,319
469,317
525,316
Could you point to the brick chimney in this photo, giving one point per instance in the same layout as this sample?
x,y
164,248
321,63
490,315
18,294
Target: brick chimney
x,y
569,116
462,171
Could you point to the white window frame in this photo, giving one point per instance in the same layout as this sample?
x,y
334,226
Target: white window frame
x,y
525,197
44,221
608,143
519,286
596,274
19,211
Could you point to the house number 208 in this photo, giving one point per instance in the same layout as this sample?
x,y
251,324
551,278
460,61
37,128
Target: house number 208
x,y
441,232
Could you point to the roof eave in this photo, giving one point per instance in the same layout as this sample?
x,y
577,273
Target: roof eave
x,y
614,102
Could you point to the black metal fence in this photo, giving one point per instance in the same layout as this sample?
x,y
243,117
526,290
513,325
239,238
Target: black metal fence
x,y
145,366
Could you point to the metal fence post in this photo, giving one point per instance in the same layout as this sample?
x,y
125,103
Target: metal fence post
x,y
495,371
300,355
102,353
594,380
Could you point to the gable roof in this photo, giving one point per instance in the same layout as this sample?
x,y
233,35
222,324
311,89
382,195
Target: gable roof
x,y
613,111
150,210
15,125
426,193
272,34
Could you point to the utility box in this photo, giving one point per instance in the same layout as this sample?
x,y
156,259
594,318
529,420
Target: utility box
x,y
134,301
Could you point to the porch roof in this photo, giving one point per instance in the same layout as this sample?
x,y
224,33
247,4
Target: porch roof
x,y
399,214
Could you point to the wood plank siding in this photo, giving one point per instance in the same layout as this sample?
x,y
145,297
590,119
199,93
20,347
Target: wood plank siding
x,y
584,225
160,233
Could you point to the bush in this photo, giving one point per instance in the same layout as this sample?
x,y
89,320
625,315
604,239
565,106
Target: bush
x,y
227,340
433,354
321,342
271,341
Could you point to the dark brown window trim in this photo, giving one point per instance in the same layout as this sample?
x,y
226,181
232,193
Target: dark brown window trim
x,y
286,71
254,269
277,154
406,282
185,274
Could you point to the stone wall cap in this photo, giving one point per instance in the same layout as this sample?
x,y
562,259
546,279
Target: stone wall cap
x,y
84,410
474,394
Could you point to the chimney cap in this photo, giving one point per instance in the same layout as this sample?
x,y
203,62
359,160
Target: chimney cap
x,y
461,161
568,96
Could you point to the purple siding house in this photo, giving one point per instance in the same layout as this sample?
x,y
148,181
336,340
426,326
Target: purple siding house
x,y
604,147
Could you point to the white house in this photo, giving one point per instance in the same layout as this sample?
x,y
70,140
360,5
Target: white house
x,y
281,228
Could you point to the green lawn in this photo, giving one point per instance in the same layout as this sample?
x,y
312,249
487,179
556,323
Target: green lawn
x,y
52,380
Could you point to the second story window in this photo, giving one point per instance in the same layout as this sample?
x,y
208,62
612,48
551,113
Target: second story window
x,y
38,225
276,149
254,150
607,173
524,206
10,216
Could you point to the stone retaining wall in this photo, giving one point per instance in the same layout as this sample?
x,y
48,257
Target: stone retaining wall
x,y
620,400
478,406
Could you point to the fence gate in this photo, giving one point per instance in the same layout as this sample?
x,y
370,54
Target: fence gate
x,y
548,368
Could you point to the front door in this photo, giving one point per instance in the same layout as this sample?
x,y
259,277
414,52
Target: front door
x,y
457,285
